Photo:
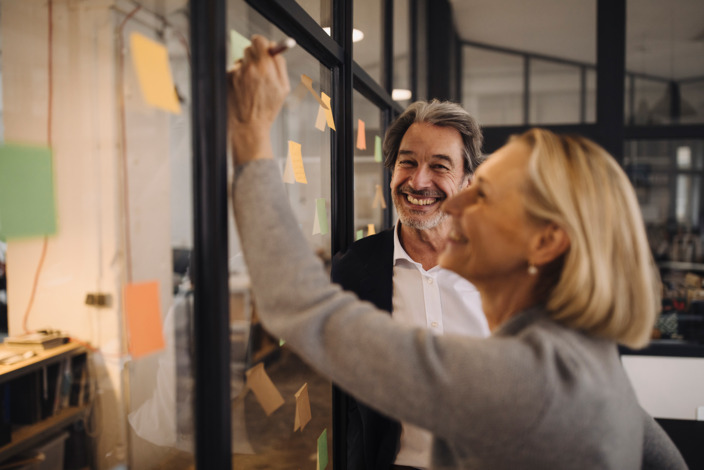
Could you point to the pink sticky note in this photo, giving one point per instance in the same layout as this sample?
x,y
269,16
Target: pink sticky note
x,y
143,314
361,135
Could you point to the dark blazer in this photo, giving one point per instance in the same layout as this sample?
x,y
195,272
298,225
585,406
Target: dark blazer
x,y
367,269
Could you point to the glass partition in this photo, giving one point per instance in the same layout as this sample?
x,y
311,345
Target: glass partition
x,y
492,86
555,90
369,191
368,37
402,54
264,437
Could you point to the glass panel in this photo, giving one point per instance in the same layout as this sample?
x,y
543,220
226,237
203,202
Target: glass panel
x,y
261,441
368,37
492,86
368,170
692,102
667,176
402,69
319,10
421,71
554,93
122,195
663,42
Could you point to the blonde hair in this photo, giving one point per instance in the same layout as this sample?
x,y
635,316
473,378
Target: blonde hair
x,y
606,283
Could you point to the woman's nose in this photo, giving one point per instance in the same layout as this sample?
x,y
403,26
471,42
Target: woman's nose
x,y
455,204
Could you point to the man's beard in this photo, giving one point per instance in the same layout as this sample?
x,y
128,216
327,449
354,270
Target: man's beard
x,y
408,218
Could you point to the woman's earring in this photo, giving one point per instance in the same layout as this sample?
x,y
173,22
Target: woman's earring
x,y
532,270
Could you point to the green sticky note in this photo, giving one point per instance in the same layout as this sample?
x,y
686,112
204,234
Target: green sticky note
x,y
323,450
360,234
281,342
377,148
322,215
238,44
27,207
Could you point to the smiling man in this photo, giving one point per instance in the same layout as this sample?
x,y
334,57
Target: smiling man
x,y
432,150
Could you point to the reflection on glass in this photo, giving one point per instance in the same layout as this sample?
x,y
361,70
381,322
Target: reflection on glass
x,y
692,102
554,93
492,86
368,170
260,440
319,10
367,52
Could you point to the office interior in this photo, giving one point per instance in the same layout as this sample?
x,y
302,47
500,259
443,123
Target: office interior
x,y
136,259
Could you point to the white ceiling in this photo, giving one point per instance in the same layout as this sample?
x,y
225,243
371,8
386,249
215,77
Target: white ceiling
x,y
663,37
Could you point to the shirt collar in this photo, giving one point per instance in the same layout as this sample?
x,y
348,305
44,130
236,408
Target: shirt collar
x,y
400,253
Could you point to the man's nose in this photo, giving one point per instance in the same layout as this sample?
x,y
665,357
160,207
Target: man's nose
x,y
421,178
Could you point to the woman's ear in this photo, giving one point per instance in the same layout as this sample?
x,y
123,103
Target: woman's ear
x,y
550,243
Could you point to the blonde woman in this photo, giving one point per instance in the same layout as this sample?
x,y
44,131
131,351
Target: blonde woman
x,y
550,234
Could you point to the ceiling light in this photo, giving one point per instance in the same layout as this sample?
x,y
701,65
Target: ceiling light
x,y
399,94
357,35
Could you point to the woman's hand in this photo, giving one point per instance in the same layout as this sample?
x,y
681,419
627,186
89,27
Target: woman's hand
x,y
257,88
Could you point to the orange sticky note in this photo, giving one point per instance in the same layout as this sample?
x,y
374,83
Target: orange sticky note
x,y
321,120
379,198
264,389
371,230
308,83
361,135
328,111
143,315
294,151
151,61
302,408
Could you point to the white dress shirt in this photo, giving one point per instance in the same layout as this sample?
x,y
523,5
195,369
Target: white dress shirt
x,y
443,302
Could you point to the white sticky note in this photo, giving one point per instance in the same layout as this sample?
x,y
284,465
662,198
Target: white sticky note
x,y
379,198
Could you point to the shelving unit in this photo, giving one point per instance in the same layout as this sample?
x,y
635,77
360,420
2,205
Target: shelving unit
x,y
25,437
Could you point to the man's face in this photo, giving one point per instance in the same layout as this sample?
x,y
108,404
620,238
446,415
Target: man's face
x,y
429,168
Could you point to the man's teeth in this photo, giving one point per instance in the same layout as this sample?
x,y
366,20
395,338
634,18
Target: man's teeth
x,y
419,202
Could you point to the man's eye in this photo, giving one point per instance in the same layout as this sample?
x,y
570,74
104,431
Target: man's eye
x,y
440,167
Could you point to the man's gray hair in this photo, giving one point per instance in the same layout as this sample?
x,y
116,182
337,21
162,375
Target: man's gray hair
x,y
437,113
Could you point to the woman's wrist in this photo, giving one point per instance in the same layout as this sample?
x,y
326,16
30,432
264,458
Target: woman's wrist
x,y
250,143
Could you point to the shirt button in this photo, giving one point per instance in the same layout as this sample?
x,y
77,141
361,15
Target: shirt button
x,y
434,324
430,280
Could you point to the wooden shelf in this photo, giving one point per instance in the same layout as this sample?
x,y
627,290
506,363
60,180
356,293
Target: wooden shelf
x,y
42,358
26,437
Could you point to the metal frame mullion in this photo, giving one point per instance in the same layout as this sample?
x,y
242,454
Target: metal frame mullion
x,y
210,260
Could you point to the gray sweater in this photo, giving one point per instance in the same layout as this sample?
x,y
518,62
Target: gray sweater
x,y
533,395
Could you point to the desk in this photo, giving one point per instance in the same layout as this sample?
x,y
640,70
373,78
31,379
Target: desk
x,y
25,437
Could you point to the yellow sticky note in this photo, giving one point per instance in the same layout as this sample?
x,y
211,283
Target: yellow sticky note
x,y
328,111
361,135
371,230
377,149
303,415
379,198
143,315
321,120
308,83
238,44
294,151
151,61
264,389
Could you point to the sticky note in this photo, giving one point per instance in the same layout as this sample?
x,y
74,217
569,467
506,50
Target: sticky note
x,y
144,331
360,235
151,61
379,198
321,120
323,450
377,149
361,135
264,389
302,409
294,151
238,44
308,83
288,171
320,221
371,230
27,205
328,111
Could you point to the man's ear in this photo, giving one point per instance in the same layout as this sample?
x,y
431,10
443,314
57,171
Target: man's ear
x,y
467,180
549,244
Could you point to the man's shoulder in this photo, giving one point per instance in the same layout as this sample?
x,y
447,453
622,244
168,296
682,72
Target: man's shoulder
x,y
378,242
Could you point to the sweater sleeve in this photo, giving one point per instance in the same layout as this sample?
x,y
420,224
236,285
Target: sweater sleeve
x,y
659,453
408,373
